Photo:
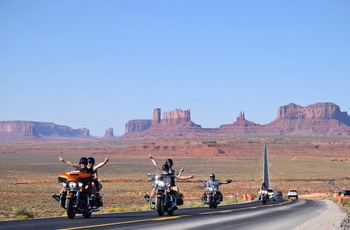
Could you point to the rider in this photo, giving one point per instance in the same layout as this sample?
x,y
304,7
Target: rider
x,y
81,166
170,163
92,168
262,188
215,183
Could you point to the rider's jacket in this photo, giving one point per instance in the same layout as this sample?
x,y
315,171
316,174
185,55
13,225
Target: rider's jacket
x,y
213,183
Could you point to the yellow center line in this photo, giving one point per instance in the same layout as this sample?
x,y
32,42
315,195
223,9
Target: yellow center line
x,y
126,222
169,217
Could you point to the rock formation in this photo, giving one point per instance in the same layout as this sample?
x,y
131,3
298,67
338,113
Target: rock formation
x,y
320,119
109,135
135,126
29,130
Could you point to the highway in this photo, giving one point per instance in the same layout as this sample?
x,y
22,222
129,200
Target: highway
x,y
280,214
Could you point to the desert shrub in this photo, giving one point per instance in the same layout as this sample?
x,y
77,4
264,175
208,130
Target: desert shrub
x,y
22,213
108,210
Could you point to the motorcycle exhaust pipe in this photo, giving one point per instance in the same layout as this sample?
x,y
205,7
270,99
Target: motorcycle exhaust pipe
x,y
94,209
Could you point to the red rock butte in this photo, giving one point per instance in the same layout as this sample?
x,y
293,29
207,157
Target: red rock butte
x,y
319,119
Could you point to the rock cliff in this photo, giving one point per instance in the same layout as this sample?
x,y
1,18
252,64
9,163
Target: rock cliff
x,y
30,130
320,119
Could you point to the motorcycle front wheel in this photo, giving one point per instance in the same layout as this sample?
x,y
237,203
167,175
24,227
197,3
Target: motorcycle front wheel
x,y
70,209
160,206
211,202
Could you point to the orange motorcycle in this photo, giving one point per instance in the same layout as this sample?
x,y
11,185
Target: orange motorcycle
x,y
75,197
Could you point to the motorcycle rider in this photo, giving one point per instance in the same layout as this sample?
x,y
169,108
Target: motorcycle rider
x,y
92,168
81,166
215,183
169,162
262,188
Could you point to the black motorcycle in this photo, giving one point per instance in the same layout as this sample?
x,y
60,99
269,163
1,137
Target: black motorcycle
x,y
264,196
212,195
166,199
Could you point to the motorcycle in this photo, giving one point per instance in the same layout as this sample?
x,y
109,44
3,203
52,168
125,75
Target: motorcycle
x,y
212,195
264,196
75,198
166,199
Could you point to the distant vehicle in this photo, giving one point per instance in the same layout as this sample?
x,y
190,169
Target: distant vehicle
x,y
346,192
292,193
279,194
272,194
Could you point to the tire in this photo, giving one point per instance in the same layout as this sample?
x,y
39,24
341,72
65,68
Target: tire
x,y
296,197
160,206
87,214
170,213
70,209
211,202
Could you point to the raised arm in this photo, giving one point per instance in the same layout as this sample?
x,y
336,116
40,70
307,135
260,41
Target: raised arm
x,y
184,177
155,162
180,172
102,163
67,162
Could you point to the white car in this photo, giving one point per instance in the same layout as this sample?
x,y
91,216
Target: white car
x,y
272,194
292,193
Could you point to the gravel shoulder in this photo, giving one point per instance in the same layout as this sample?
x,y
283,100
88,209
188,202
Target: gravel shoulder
x,y
334,217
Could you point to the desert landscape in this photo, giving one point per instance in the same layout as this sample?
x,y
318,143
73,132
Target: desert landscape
x,y
308,164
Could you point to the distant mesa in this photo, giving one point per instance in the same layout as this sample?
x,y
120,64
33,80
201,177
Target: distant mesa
x,y
319,119
30,130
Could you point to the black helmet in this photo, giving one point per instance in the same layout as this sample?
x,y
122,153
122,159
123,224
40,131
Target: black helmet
x,y
169,161
83,160
91,160
165,167
212,176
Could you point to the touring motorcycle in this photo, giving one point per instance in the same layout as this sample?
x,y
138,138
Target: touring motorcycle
x,y
166,200
212,195
75,198
264,196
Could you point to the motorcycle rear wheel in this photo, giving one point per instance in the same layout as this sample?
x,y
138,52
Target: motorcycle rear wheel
x,y
87,214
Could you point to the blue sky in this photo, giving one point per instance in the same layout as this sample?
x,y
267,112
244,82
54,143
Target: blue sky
x,y
99,64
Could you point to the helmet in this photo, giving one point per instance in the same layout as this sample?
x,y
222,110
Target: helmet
x,y
212,176
170,161
91,160
165,167
83,160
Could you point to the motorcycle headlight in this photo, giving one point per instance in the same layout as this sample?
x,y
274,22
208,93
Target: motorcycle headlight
x,y
210,189
161,183
64,184
72,184
80,185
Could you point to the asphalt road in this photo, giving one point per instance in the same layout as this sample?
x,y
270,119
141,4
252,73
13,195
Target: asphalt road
x,y
280,214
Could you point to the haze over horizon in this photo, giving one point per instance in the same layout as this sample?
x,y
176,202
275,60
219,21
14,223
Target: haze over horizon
x,y
100,64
